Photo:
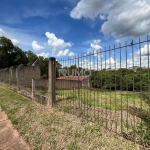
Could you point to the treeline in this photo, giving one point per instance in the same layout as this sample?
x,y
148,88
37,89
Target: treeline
x,y
11,55
121,79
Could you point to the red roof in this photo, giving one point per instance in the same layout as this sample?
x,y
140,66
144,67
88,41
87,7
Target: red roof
x,y
73,78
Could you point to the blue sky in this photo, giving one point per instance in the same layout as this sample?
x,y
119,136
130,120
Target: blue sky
x,y
72,27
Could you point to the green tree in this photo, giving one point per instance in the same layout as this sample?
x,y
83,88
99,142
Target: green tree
x,y
10,55
20,56
31,57
43,62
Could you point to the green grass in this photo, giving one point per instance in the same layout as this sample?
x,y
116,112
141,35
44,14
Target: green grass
x,y
106,99
46,128
135,102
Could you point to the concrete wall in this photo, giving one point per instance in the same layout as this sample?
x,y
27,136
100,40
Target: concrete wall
x,y
25,74
67,84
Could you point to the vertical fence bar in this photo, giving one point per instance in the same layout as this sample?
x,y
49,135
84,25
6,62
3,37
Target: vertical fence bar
x,y
110,83
101,81
91,88
75,89
93,96
115,89
71,80
65,82
82,82
88,89
133,87
51,82
64,90
127,84
148,73
97,114
61,81
74,86
121,88
85,87
105,92
68,89
79,107
140,78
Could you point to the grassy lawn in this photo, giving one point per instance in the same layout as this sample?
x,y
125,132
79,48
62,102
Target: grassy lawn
x,y
45,128
110,100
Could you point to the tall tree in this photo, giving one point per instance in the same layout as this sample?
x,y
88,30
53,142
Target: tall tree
x,y
10,55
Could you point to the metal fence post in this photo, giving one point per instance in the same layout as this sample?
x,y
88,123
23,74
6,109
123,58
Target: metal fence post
x,y
51,82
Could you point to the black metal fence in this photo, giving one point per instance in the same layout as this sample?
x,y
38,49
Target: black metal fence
x,y
110,87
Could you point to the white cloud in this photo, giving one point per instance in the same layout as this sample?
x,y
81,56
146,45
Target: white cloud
x,y
94,47
57,44
63,53
95,44
102,17
36,47
144,50
125,18
71,54
45,55
15,42
2,33
117,41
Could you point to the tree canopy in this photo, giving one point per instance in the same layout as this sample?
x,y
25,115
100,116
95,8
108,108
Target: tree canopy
x,y
10,55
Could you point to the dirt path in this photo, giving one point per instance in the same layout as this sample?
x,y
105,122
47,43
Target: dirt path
x,y
9,137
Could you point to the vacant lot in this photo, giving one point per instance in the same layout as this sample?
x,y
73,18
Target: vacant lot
x,y
113,100
48,129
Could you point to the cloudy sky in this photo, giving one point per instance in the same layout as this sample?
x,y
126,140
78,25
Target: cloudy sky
x,y
71,27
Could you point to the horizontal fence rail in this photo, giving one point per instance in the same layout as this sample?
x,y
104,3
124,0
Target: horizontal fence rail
x,y
110,87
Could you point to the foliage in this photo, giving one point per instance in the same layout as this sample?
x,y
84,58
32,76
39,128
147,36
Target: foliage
x,y
10,55
31,57
43,62
121,79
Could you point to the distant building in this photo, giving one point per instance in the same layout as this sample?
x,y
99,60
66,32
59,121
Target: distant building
x,y
72,82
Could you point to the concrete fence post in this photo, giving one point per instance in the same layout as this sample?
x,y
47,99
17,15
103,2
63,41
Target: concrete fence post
x,y
10,75
51,82
33,88
0,76
17,77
